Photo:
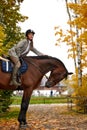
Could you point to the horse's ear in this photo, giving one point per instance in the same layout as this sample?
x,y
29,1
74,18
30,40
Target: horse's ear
x,y
70,73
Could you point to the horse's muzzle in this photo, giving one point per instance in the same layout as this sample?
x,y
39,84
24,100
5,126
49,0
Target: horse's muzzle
x,y
48,84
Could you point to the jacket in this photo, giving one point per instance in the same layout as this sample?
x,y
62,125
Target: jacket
x,y
21,47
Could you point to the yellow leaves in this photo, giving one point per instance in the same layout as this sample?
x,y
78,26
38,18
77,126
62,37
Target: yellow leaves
x,y
76,36
4,49
82,91
83,1
56,33
10,12
56,27
59,32
56,44
67,38
79,91
1,44
2,35
80,10
83,37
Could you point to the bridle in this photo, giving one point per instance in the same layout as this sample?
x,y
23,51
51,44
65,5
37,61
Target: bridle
x,y
53,81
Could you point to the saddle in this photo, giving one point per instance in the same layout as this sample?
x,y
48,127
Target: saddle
x,y
7,66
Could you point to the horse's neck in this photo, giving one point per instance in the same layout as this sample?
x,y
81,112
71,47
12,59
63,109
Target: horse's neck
x,y
46,65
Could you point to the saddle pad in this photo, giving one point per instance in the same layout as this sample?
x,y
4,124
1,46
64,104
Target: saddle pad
x,y
7,66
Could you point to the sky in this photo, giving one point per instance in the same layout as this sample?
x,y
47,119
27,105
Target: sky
x,y
44,15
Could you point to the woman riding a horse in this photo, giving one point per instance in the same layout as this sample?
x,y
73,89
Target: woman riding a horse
x,y
21,49
30,80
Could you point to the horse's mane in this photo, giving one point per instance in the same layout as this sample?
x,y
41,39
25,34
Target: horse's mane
x,y
43,57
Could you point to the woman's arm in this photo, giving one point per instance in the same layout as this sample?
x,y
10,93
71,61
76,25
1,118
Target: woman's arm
x,y
36,51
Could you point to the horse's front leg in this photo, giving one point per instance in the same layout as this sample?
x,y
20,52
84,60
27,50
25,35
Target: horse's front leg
x,y
24,107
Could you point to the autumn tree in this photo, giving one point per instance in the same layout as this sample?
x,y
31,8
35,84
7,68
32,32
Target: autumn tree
x,y
10,34
76,39
76,36
2,37
10,17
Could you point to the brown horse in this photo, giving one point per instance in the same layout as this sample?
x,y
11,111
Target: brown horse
x,y
38,66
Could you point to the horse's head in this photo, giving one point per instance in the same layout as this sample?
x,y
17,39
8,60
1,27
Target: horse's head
x,y
56,76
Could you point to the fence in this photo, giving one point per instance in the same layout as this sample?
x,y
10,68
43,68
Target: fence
x,y
78,104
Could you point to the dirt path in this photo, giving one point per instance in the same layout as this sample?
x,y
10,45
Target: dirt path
x,y
49,117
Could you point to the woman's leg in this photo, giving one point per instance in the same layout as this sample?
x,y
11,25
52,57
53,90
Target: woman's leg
x,y
17,65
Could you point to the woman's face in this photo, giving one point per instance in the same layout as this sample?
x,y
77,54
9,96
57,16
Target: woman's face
x,y
30,36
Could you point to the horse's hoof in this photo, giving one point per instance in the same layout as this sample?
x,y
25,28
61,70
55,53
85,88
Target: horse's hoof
x,y
24,126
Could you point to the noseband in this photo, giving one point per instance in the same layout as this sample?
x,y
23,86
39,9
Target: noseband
x,y
52,81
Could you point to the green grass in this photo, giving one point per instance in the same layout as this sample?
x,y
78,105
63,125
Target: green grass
x,y
16,100
11,113
40,100
14,111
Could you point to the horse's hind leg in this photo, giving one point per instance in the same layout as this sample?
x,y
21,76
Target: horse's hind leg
x,y
24,107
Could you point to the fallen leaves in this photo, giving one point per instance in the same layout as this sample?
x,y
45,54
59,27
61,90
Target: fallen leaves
x,y
48,117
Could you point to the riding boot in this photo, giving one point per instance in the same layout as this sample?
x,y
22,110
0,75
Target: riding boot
x,y
14,77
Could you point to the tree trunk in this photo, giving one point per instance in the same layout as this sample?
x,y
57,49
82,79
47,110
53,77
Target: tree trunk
x,y
79,52
71,31
79,59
